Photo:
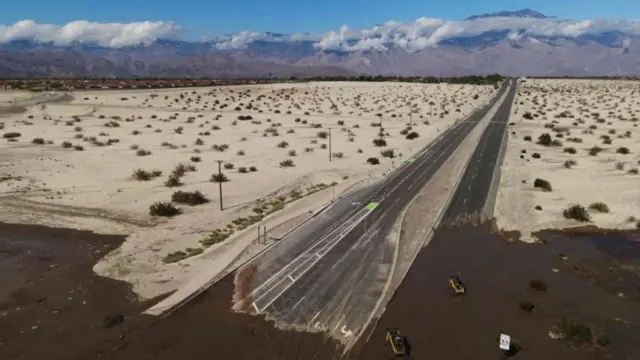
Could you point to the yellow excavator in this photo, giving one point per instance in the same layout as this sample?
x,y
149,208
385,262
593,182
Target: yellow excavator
x,y
456,284
397,342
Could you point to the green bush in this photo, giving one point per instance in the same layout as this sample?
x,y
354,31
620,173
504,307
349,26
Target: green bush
x,y
576,212
189,198
218,178
542,184
599,207
165,209
373,161
379,142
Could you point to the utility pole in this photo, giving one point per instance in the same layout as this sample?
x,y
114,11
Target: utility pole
x,y
329,144
265,235
220,182
258,234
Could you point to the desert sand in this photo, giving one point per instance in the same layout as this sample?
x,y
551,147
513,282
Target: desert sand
x,y
590,158
73,163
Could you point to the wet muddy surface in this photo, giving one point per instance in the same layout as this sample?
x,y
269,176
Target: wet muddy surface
x,y
53,307
594,279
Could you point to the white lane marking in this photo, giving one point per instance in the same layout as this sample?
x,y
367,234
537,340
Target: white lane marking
x,y
324,250
314,317
339,322
290,278
298,303
345,332
277,275
464,201
255,307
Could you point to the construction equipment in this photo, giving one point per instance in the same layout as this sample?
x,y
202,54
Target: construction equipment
x,y
456,284
398,342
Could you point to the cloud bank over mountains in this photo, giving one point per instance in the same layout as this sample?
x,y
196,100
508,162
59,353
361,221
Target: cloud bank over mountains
x,y
108,34
409,36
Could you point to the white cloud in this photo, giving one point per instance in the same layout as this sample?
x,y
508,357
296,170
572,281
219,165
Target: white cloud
x,y
425,32
105,34
420,34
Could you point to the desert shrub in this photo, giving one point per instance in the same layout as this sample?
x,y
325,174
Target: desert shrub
x,y
632,171
195,158
556,143
544,139
574,140
594,151
570,150
338,155
599,207
569,164
220,148
322,134
67,145
242,169
283,144
538,285
412,135
576,212
38,141
11,135
228,166
542,184
623,151
619,165
373,161
143,152
380,142
389,153
240,153
78,148
189,198
287,163
527,138
292,153
536,156
253,168
218,178
166,209
527,115
199,141
173,181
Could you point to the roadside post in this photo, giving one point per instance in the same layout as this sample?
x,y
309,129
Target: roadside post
x,y
505,345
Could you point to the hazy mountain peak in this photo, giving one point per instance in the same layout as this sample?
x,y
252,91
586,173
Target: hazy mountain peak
x,y
522,13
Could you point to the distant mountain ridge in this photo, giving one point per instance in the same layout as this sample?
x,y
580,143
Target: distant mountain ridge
x,y
512,43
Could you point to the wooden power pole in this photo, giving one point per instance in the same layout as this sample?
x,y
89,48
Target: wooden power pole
x,y
220,182
329,144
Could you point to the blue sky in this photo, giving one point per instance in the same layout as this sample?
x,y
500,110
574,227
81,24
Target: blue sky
x,y
215,17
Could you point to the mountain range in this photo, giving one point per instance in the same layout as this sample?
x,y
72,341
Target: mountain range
x,y
511,43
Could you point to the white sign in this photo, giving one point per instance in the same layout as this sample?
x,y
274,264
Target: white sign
x,y
505,342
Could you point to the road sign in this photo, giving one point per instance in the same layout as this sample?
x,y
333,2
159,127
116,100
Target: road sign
x,y
411,160
505,342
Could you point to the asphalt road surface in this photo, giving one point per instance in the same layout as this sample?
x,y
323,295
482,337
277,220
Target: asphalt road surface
x,y
473,189
329,274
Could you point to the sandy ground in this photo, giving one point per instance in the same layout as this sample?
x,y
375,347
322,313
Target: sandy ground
x,y
90,185
579,114
9,96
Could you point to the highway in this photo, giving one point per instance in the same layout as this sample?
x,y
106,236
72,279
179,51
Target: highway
x,y
329,274
473,189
